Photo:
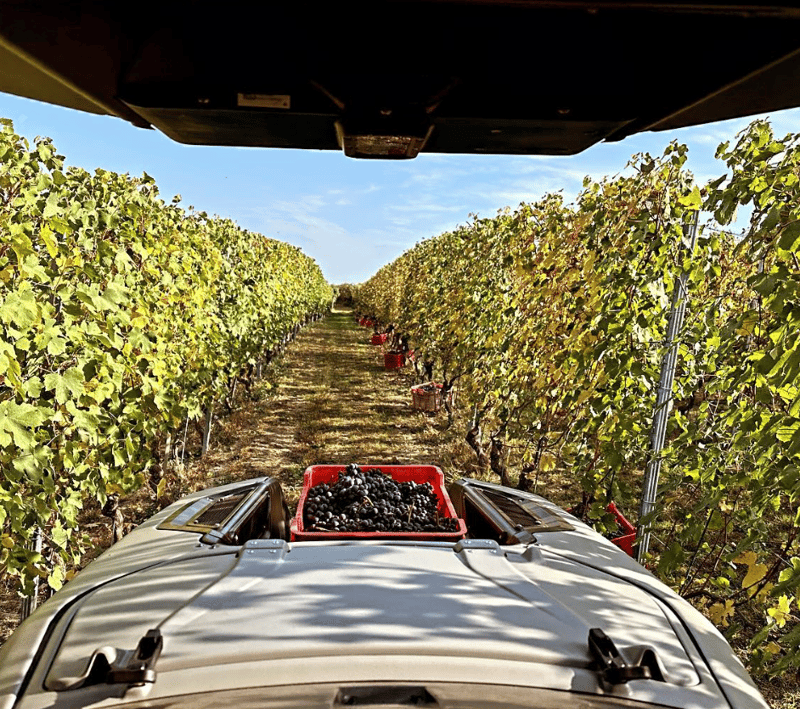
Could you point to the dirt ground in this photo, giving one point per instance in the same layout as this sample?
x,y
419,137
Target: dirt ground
x,y
327,400
334,403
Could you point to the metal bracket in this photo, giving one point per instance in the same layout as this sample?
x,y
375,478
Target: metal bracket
x,y
612,666
130,667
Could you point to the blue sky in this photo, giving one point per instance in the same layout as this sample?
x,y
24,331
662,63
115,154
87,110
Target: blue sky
x,y
351,216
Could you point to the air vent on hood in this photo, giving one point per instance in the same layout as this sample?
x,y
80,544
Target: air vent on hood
x,y
251,512
502,514
515,512
207,513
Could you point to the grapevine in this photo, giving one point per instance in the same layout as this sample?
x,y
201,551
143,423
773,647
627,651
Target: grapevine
x,y
121,316
551,318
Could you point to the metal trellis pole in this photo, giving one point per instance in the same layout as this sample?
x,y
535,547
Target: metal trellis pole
x,y
207,428
29,603
664,400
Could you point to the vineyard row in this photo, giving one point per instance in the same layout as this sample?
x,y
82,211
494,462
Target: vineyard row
x,y
121,318
551,320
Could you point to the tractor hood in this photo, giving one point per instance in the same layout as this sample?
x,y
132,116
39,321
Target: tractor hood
x,y
361,611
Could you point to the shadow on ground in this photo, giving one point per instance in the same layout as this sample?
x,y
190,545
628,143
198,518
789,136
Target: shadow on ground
x,y
335,403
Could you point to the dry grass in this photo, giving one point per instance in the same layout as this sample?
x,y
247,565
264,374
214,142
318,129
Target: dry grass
x,y
328,400
335,404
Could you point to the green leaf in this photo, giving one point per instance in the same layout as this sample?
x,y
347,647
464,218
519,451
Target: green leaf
x,y
51,207
57,346
33,388
17,422
56,578
59,536
786,434
86,420
693,200
67,386
46,235
21,309
790,237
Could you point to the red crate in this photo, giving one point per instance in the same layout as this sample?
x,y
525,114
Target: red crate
x,y
627,540
379,338
394,360
426,398
317,474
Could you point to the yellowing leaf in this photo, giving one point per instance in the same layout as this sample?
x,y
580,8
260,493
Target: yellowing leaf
x,y
693,200
719,614
547,462
749,558
56,579
583,396
780,612
46,235
755,573
763,594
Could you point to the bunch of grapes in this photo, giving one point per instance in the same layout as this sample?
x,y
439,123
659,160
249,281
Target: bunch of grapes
x,y
370,501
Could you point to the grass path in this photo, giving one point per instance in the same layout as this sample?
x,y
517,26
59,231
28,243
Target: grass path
x,y
335,403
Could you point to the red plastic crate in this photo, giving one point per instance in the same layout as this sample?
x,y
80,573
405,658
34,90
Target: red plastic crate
x,y
425,398
379,338
627,540
394,360
317,474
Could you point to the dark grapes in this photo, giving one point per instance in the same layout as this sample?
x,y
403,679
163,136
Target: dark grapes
x,y
371,501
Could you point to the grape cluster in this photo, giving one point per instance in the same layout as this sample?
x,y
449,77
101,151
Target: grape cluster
x,y
370,501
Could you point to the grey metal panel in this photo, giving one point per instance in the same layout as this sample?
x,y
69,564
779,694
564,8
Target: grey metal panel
x,y
270,613
118,614
315,604
145,546
582,546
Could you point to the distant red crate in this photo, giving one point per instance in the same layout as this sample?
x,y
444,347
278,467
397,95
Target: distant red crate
x,y
394,360
627,540
379,338
428,397
317,474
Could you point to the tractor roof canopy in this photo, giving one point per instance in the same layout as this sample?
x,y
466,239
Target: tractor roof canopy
x,y
399,77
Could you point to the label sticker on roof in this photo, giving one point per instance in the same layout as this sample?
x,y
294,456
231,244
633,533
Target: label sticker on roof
x,y
264,100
